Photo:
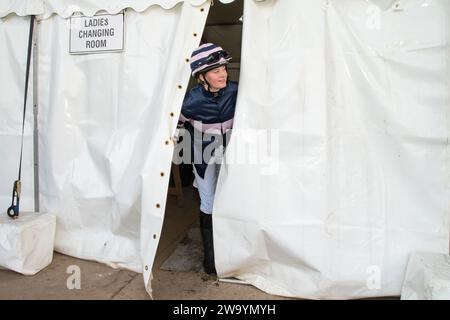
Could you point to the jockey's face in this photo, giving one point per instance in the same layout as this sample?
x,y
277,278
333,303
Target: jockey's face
x,y
217,78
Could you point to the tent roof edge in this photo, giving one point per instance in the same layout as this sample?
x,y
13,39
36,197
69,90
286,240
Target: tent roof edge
x,y
66,8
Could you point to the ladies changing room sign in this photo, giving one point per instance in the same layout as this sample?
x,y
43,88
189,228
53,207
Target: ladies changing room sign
x,y
96,34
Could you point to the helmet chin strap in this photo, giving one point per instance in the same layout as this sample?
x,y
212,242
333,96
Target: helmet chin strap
x,y
208,86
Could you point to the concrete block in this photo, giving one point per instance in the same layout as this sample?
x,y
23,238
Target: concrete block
x,y
26,243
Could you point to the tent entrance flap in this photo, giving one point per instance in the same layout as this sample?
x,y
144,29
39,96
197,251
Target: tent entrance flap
x,y
356,100
117,111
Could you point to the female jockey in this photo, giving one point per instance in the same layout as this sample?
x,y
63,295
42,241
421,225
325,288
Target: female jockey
x,y
207,115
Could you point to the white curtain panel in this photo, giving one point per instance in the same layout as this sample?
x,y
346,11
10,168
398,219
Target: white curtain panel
x,y
338,166
106,121
14,32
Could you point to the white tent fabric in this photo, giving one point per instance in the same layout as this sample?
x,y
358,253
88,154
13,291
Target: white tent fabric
x,y
427,277
356,99
13,61
105,120
356,94
66,8
21,7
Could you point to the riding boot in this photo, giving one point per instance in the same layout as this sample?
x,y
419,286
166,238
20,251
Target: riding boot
x,y
208,245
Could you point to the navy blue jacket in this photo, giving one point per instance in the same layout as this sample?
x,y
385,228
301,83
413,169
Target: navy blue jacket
x,y
208,116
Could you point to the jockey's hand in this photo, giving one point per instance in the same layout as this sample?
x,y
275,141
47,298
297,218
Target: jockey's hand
x,y
175,137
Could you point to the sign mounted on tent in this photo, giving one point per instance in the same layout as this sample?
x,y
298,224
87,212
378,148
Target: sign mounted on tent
x,y
101,33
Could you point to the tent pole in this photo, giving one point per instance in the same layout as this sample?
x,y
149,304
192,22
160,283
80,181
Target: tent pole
x,y
35,116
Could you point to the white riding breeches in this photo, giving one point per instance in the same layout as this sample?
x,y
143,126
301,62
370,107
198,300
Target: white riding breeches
x,y
207,186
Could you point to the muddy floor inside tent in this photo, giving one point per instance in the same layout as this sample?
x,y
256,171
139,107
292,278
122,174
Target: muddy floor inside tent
x,y
177,270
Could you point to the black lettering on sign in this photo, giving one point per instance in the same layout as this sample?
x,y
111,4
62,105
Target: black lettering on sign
x,y
96,33
99,22
95,44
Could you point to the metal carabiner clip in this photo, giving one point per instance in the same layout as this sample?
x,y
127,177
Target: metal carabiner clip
x,y
13,210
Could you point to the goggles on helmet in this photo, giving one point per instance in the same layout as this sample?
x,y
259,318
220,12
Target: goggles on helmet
x,y
216,56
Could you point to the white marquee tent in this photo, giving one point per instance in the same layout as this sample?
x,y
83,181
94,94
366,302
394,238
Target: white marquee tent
x,y
354,94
